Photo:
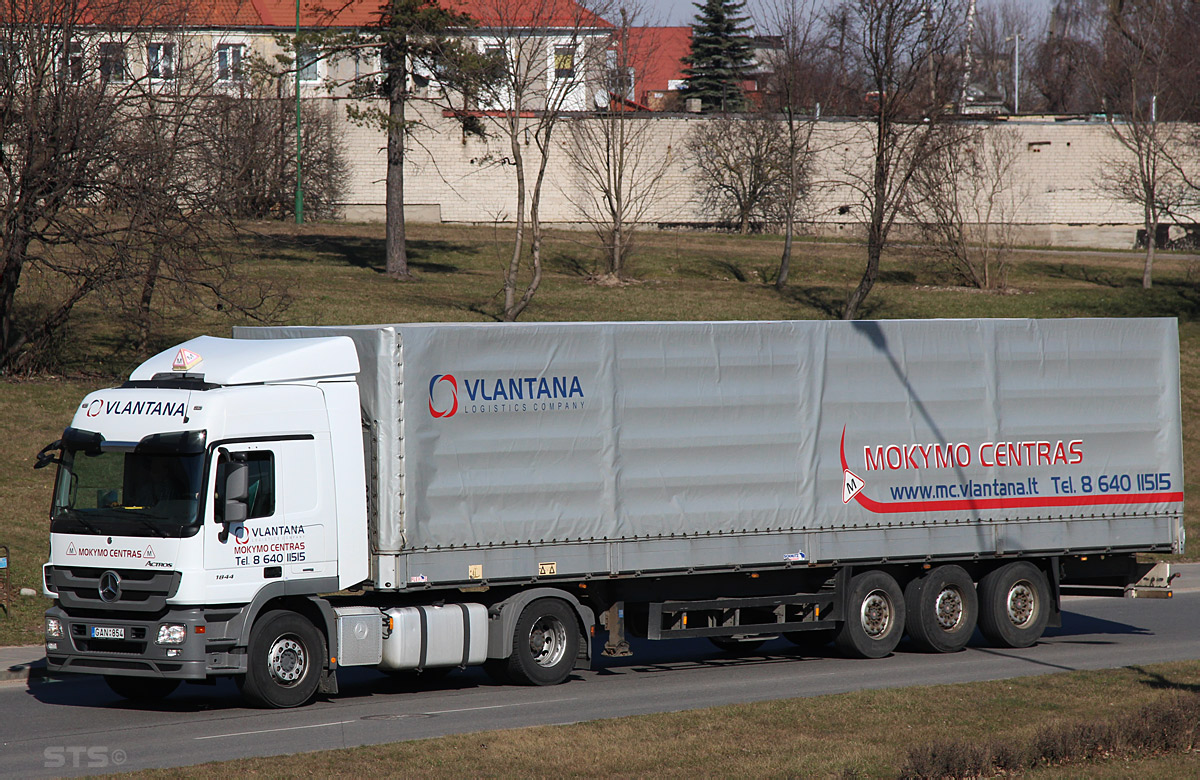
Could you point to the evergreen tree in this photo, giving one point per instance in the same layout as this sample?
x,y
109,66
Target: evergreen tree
x,y
720,56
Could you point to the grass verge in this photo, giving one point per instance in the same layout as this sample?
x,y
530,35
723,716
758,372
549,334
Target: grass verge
x,y
865,734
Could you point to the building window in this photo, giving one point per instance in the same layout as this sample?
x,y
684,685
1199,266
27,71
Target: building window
x,y
75,61
564,62
229,62
113,66
160,61
307,60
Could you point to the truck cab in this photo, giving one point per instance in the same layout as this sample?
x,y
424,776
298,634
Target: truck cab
x,y
196,498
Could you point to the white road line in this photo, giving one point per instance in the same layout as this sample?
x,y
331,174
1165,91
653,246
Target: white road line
x,y
499,706
268,731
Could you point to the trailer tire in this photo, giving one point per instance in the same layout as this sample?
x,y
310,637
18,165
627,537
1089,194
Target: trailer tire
x,y
942,608
545,643
285,657
1014,604
143,689
874,621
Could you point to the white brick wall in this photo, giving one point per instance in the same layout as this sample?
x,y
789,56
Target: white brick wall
x,y
453,177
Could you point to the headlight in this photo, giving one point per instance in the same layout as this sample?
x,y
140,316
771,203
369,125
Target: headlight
x,y
54,628
171,634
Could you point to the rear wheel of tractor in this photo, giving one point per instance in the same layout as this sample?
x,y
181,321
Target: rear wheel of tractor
x,y
141,688
545,643
874,616
1014,604
285,659
942,610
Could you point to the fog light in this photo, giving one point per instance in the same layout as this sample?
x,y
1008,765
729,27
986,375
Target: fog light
x,y
54,628
172,652
52,645
171,634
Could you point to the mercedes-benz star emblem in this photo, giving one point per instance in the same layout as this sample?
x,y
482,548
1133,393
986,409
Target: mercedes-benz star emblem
x,y
110,586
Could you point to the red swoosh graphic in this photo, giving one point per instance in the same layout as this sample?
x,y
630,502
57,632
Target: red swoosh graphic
x,y
1013,502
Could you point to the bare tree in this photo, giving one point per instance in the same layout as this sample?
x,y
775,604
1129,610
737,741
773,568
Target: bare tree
x,y
902,49
794,22
537,55
1067,54
965,198
1142,57
619,162
738,163
250,134
103,192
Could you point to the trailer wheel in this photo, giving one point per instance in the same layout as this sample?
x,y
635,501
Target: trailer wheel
x,y
1014,604
942,609
545,643
284,661
141,688
874,616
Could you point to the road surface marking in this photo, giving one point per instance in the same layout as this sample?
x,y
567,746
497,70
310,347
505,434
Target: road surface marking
x,y
268,731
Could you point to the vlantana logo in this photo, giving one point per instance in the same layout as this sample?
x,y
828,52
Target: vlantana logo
x,y
507,395
453,407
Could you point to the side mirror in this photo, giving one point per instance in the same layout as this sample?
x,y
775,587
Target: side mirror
x,y
236,492
44,458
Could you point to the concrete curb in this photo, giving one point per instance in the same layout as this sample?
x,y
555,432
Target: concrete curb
x,y
22,663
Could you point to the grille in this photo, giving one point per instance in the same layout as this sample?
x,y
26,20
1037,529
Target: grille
x,y
141,591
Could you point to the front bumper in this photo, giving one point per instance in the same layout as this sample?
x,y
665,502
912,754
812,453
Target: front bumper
x,y
137,654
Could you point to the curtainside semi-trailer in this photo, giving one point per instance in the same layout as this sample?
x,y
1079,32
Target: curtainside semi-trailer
x,y
418,496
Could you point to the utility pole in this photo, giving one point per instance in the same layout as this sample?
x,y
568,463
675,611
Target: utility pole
x,y
1016,69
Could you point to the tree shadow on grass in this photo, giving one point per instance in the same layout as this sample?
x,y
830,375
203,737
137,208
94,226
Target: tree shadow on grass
x,y
1160,682
367,253
1077,272
830,301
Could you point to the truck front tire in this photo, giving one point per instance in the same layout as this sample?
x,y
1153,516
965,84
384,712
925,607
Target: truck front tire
x,y
1014,604
141,689
285,658
874,620
545,643
943,609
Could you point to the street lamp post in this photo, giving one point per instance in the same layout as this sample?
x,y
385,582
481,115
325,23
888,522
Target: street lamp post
x,y
1016,68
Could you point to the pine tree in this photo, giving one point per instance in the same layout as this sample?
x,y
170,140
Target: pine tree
x,y
720,56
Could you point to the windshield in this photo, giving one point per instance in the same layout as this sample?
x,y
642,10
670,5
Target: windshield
x,y
151,489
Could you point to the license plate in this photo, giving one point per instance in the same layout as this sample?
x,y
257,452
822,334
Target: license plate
x,y
108,632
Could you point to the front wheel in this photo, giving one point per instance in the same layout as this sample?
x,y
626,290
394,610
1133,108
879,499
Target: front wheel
x,y
874,616
142,689
545,643
285,659
1014,604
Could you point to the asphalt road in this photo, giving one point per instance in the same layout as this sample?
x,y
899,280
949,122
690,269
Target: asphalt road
x,y
76,726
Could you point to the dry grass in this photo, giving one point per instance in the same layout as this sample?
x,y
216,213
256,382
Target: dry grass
x,y
863,734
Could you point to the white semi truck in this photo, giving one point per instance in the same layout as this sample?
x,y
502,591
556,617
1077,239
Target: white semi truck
x,y
293,500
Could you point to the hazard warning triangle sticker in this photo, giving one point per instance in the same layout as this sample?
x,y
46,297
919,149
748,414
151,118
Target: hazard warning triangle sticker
x,y
185,359
71,548
852,485
149,552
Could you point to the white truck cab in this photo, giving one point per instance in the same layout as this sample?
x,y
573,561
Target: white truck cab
x,y
196,493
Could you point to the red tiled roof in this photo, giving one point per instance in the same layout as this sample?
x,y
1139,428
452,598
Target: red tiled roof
x,y
360,13
656,54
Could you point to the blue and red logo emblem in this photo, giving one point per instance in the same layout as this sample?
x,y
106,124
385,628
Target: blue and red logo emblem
x,y
441,410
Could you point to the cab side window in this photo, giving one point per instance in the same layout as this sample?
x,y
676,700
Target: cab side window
x,y
260,492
